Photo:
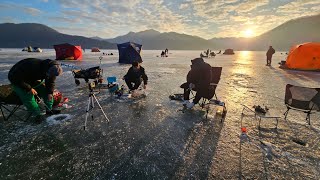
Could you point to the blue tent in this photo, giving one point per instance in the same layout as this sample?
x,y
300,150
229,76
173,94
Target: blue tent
x,y
129,52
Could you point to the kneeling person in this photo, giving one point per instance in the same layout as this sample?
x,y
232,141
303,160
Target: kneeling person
x,y
198,79
135,75
27,77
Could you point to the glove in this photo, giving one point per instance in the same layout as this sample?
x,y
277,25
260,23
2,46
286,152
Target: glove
x,y
50,96
33,91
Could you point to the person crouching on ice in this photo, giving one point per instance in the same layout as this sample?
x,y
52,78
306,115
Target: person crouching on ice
x,y
32,78
135,75
198,79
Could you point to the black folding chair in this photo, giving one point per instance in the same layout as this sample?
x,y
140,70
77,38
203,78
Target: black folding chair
x,y
302,99
10,103
216,75
212,98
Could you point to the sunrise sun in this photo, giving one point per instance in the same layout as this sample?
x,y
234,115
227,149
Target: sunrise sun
x,y
248,33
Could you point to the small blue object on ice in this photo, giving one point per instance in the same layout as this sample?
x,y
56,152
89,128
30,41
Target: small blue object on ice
x,y
113,88
111,79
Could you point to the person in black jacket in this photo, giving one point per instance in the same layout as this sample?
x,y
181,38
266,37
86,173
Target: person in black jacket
x,y
198,79
269,54
134,76
32,77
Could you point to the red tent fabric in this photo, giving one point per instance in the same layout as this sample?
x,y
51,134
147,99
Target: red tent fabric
x,y
68,52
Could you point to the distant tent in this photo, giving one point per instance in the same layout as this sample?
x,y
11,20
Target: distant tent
x,y
95,49
68,52
129,52
228,52
37,50
30,49
304,57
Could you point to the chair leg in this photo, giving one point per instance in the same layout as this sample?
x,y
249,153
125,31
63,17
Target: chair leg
x,y
207,113
286,114
13,111
4,117
259,122
308,118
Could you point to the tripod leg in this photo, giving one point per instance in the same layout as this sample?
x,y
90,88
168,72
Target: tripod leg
x,y
92,102
101,108
87,113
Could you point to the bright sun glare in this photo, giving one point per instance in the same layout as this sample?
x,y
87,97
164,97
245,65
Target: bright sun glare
x,y
248,33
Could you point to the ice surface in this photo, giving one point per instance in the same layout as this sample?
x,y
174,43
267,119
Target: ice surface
x,y
150,138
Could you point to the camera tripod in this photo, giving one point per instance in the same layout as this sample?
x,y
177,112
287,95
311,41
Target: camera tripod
x,y
90,105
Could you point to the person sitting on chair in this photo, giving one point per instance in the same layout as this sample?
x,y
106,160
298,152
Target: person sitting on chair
x,y
27,77
198,79
134,76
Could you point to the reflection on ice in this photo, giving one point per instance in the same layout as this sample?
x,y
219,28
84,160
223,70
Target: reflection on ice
x,y
149,138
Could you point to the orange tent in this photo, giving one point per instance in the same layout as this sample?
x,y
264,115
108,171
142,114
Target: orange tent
x,y
304,57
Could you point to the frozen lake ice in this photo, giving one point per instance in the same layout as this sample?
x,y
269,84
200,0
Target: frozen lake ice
x,y
151,139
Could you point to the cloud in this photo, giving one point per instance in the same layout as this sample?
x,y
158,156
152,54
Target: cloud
x,y
8,19
205,18
250,5
15,7
124,16
183,6
31,11
65,19
300,6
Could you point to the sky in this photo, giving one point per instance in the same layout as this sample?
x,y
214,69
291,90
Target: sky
x,y
203,18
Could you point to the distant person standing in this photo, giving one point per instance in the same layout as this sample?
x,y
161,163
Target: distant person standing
x,y
166,51
269,54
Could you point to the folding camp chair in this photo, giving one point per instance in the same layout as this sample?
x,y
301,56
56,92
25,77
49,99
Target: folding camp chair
x,y
302,99
10,102
211,98
216,75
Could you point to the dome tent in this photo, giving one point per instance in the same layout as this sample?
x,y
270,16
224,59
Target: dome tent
x,y
95,49
228,52
304,57
129,52
68,52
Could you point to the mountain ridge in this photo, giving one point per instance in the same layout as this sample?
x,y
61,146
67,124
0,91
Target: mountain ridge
x,y
282,37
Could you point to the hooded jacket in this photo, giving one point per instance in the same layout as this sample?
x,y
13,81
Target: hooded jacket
x,y
133,75
200,74
28,72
